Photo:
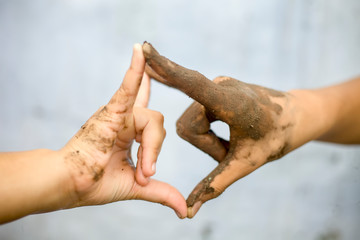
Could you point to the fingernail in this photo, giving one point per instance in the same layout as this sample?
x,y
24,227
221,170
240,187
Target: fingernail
x,y
153,167
179,215
191,211
137,46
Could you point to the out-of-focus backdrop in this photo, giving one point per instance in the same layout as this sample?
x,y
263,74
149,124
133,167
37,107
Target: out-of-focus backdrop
x,y
61,59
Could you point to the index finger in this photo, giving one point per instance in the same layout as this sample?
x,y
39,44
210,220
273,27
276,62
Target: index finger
x,y
134,74
190,82
125,97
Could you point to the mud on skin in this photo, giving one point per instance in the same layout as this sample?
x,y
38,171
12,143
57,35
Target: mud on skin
x,y
251,111
92,135
78,160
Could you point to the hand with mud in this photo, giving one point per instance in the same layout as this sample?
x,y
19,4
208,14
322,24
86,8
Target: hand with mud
x,y
99,155
258,118
95,166
264,124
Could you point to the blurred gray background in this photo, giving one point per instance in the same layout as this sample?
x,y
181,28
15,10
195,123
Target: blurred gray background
x,y
61,59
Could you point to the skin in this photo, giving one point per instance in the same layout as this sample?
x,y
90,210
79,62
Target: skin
x,y
264,124
95,166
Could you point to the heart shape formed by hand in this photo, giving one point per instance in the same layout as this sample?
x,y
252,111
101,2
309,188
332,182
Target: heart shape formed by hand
x,y
259,120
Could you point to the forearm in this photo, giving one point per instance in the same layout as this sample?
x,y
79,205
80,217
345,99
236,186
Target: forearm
x,y
343,104
330,114
32,182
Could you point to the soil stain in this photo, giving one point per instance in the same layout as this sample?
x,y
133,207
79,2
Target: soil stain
x,y
95,171
248,109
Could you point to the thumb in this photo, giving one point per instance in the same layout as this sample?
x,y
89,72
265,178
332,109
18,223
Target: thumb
x,y
163,193
227,172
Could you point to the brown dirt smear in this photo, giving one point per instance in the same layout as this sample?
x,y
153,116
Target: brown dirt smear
x,y
249,110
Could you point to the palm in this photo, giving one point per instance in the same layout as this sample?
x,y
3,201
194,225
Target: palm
x,y
118,183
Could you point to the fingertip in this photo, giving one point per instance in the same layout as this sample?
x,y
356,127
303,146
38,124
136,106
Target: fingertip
x,y
140,178
191,211
153,168
180,207
146,47
149,159
179,215
137,47
132,80
167,195
138,60
150,170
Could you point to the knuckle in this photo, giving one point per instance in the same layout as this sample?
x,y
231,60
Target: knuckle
x,y
136,70
102,110
218,190
159,117
208,192
123,91
180,128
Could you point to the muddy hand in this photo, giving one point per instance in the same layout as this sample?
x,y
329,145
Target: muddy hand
x,y
259,119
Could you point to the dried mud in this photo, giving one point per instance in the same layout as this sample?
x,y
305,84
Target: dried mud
x,y
248,109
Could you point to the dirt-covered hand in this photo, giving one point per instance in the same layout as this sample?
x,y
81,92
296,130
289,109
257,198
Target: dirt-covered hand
x,y
260,122
99,155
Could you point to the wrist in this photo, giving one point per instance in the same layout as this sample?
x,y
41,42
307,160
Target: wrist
x,y
68,194
58,194
32,182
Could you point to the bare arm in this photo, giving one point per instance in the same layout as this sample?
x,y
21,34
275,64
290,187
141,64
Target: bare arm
x,y
330,114
32,182
342,105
